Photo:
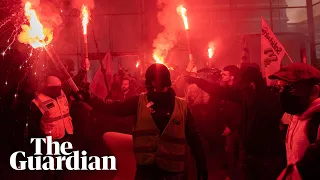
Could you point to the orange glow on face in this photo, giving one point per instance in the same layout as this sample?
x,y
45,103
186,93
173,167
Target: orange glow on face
x,y
183,13
34,34
85,19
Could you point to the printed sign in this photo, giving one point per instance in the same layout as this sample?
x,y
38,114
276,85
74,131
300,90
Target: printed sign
x,y
272,51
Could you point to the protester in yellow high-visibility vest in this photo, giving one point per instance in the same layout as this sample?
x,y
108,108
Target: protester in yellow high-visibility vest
x,y
163,128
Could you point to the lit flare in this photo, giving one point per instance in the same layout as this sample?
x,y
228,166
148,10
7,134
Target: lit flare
x,y
183,13
211,50
34,34
158,59
85,19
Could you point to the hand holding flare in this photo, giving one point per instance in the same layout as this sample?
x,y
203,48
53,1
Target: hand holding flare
x,y
37,36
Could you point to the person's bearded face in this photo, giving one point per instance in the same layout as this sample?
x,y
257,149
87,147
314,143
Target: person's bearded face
x,y
125,85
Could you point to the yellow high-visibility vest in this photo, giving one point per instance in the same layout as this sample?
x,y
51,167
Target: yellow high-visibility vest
x,y
166,150
55,118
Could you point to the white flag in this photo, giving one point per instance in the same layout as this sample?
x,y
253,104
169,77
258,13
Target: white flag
x,y
272,51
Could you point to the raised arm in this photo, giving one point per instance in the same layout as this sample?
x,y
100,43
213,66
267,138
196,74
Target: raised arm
x,y
80,77
124,108
215,90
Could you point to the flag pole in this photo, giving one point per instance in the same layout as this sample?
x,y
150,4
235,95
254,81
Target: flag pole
x,y
289,57
103,70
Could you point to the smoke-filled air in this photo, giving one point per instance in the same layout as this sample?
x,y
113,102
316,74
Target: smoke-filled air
x,y
171,22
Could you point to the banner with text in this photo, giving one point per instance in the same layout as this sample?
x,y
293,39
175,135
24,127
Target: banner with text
x,y
272,51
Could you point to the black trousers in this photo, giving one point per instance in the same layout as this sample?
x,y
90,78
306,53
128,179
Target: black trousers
x,y
232,153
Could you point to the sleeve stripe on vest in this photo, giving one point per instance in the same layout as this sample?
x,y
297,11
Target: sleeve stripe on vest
x,y
172,139
144,133
56,118
145,149
172,157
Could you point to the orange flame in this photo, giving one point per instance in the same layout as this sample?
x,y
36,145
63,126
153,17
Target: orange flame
x,y
85,19
183,11
211,50
137,64
34,34
158,59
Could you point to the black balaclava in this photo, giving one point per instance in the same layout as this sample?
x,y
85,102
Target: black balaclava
x,y
295,98
53,87
52,91
157,79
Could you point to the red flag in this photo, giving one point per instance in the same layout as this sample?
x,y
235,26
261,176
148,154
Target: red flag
x,y
98,85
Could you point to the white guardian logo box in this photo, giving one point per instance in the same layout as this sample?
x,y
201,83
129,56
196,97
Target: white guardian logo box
x,y
60,158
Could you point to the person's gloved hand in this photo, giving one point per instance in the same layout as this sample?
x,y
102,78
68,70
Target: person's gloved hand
x,y
85,95
202,174
190,79
77,96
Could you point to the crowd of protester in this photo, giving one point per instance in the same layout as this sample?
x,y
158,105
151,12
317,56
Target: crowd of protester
x,y
261,131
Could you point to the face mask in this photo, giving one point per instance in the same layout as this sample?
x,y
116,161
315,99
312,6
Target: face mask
x,y
293,104
52,91
161,97
156,96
